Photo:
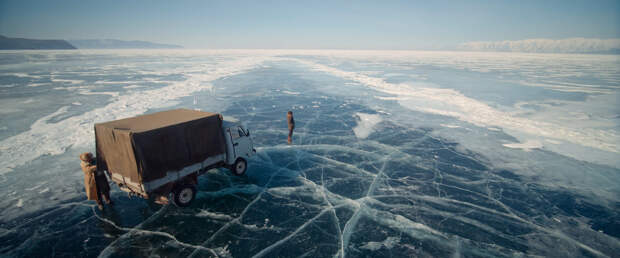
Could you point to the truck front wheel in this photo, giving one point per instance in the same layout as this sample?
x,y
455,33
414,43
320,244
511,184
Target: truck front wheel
x,y
239,167
184,195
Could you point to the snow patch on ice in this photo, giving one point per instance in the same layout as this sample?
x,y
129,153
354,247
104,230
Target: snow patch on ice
x,y
387,243
213,215
37,84
86,92
22,75
526,146
67,81
231,119
387,98
133,87
450,126
36,186
365,125
290,92
222,251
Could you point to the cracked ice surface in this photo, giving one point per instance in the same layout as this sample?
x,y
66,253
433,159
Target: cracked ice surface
x,y
393,154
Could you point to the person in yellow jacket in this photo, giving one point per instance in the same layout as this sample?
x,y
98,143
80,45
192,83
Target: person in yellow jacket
x,y
95,182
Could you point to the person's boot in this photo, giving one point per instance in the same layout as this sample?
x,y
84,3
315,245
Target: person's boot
x,y
106,198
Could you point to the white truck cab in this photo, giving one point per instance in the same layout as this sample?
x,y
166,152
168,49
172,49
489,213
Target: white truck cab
x,y
239,146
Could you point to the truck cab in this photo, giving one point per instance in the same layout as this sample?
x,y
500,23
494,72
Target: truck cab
x,y
239,146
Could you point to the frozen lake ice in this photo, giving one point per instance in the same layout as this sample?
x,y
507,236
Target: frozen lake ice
x,y
395,154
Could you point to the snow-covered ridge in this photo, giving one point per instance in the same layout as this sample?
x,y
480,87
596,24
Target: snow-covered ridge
x,y
570,45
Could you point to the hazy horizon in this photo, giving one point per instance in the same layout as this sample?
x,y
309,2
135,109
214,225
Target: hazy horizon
x,y
392,25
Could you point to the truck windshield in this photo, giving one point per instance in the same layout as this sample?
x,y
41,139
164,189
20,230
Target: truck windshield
x,y
241,132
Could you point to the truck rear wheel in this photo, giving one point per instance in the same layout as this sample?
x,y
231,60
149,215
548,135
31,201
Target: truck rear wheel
x,y
183,195
239,167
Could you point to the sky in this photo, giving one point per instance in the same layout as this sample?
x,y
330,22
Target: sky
x,y
394,25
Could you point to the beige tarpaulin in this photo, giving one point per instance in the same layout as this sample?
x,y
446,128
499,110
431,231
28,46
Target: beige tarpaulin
x,y
146,147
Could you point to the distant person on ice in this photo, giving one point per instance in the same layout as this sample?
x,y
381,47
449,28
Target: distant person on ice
x,y
291,125
95,182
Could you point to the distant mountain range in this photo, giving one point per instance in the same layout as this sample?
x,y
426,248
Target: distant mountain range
x,y
118,44
21,43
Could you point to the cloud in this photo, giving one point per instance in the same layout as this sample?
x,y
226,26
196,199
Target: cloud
x,y
570,45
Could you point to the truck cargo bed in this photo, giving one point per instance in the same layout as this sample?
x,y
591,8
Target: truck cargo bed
x,y
146,152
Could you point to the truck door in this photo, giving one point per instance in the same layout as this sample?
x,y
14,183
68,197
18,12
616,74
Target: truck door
x,y
241,143
230,150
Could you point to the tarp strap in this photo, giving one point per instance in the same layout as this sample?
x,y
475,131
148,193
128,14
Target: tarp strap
x,y
127,186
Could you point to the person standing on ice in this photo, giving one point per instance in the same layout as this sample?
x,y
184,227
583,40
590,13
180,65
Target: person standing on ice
x,y
291,125
95,182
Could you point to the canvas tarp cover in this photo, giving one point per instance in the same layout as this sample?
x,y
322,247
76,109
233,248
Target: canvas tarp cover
x,y
145,148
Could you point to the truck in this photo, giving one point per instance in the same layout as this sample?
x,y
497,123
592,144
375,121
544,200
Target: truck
x,y
159,156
